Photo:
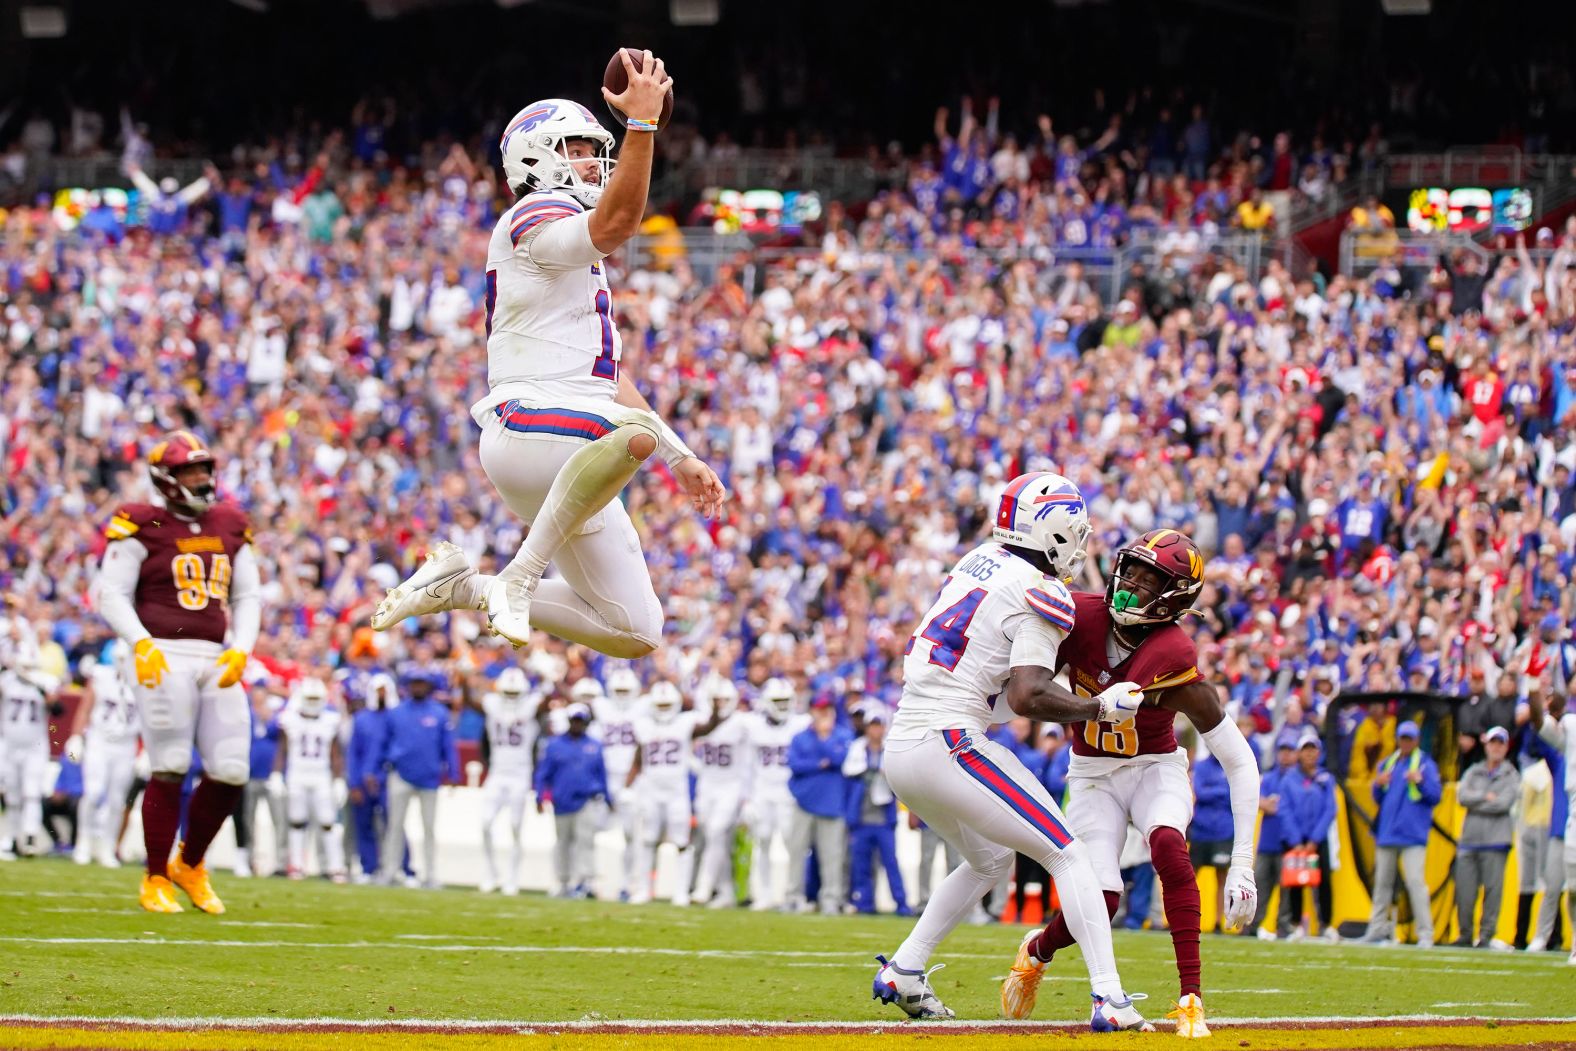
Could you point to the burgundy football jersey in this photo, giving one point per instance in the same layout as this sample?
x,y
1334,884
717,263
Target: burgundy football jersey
x,y
184,588
1166,658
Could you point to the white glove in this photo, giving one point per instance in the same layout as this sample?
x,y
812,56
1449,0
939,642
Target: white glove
x,y
1119,702
276,785
74,748
1242,897
341,793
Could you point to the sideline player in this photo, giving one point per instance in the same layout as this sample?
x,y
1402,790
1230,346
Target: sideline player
x,y
176,577
26,709
107,721
1133,771
722,775
312,753
614,725
512,731
659,778
769,809
983,653
563,427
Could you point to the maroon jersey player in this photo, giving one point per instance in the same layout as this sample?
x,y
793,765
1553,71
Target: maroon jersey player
x,y
179,583
1133,772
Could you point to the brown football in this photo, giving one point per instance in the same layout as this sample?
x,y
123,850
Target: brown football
x,y
616,80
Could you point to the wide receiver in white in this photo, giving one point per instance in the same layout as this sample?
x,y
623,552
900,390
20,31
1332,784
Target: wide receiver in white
x,y
512,731
563,427
984,653
312,752
769,810
659,777
107,720
26,710
613,723
722,782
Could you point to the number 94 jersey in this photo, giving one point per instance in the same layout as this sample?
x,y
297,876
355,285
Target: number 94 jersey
x,y
183,585
958,660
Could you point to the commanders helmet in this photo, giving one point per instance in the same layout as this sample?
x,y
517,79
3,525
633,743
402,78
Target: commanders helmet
x,y
664,700
1045,512
1155,578
182,449
535,154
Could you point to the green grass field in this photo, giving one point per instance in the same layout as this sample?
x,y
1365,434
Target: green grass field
x,y
73,943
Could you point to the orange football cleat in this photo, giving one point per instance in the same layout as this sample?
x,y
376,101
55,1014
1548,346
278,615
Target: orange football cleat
x,y
1189,1015
193,879
157,895
1023,983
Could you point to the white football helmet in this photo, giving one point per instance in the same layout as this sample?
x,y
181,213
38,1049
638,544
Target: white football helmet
x,y
665,701
511,686
721,694
535,156
587,691
382,689
311,697
1044,511
623,686
777,699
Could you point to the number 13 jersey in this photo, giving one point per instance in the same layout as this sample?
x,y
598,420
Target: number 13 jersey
x,y
958,660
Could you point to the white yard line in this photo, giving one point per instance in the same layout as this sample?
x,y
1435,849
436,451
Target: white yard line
x,y
695,1024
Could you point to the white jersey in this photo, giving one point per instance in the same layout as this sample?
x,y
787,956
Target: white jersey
x,y
665,753
769,752
961,653
114,719
550,326
24,716
722,758
614,726
311,743
511,735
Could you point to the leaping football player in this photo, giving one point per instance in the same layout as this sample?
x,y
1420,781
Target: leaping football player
x,y
178,577
563,427
985,652
1131,770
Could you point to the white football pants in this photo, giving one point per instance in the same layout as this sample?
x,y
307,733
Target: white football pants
x,y
505,791
188,706
107,771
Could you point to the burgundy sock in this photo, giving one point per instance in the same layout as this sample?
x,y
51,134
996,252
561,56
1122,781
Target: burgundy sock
x,y
161,815
1179,885
1057,936
211,804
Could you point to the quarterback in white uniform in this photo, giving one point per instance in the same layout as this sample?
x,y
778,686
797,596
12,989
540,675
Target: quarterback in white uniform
x,y
511,738
107,718
613,724
25,709
984,653
770,807
722,781
659,780
312,752
563,427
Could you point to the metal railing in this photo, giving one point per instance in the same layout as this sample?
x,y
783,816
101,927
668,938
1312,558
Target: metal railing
x,y
101,170
1362,251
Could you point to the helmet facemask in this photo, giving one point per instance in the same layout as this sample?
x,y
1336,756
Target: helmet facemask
x,y
194,498
1140,592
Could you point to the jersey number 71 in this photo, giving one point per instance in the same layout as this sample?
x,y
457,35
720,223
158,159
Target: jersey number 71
x,y
947,631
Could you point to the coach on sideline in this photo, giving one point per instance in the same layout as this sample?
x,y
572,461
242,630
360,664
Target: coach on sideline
x,y
1407,789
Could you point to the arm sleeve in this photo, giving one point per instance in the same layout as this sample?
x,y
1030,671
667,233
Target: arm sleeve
x,y
562,244
801,755
246,606
116,587
1036,642
1469,793
1320,829
1430,788
1228,745
195,192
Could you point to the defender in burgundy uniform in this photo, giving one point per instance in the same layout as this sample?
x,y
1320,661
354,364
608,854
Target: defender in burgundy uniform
x,y
177,577
1133,771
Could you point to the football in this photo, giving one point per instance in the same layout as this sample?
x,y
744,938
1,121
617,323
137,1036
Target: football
x,y
616,79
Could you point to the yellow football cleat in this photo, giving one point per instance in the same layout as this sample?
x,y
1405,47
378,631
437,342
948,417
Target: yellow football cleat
x,y
193,879
1023,983
157,895
1189,1015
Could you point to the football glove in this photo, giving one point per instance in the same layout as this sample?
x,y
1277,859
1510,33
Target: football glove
x,y
231,664
1119,702
1242,897
149,663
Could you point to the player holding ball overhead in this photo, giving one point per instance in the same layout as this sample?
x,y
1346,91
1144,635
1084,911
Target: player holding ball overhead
x,y
563,427
179,584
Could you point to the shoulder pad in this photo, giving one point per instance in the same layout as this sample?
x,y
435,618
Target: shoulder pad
x,y
229,516
1050,599
536,209
128,519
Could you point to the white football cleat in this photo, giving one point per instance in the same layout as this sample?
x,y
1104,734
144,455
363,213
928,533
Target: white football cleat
x,y
81,856
1570,961
509,609
428,590
511,890
1112,1015
486,886
909,990
1189,1015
